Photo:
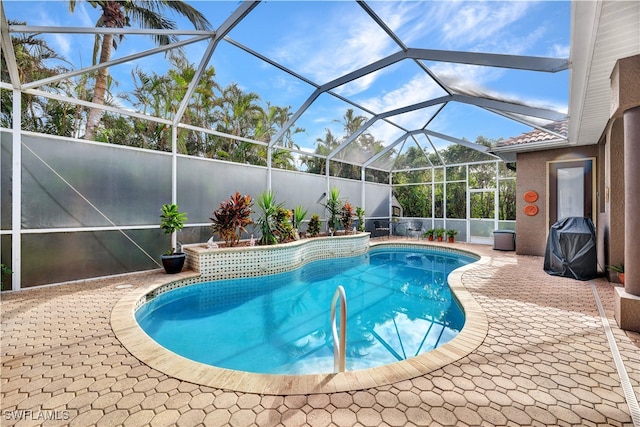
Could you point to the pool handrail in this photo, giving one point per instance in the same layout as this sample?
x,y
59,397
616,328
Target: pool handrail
x,y
339,350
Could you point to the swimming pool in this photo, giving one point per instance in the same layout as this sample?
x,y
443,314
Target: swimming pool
x,y
399,306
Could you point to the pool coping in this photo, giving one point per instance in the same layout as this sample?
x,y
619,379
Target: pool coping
x,y
145,349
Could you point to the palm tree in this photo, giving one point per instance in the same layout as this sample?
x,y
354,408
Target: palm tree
x,y
237,113
119,14
36,60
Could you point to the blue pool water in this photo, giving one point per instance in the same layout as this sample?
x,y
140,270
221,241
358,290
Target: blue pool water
x,y
398,303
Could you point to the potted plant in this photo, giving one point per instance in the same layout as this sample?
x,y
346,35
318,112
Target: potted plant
x,y
232,218
346,217
360,215
299,214
333,207
440,233
314,225
618,269
429,234
451,234
172,220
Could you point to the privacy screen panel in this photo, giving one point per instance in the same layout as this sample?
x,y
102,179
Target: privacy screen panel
x,y
6,170
68,183
203,184
59,257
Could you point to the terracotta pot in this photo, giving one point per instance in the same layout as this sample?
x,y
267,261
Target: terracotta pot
x,y
431,238
451,239
621,277
439,239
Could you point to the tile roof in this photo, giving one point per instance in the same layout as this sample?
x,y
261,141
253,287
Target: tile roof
x,y
537,135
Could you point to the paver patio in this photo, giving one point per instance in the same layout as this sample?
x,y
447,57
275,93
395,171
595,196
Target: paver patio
x,y
546,360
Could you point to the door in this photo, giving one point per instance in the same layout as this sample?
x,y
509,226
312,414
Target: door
x,y
571,188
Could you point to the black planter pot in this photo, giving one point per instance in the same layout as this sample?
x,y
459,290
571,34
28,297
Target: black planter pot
x,y
173,263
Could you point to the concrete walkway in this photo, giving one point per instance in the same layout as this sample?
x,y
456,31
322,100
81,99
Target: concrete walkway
x,y
545,361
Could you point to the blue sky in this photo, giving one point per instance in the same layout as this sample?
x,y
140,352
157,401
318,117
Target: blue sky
x,y
322,40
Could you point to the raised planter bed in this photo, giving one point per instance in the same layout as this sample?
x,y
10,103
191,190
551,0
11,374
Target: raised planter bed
x,y
251,261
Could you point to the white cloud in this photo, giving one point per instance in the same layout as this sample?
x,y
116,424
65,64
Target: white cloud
x,y
344,44
471,76
560,51
64,44
417,89
476,22
408,19
474,82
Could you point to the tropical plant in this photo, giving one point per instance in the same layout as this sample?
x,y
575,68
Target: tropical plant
x,y
299,214
232,217
314,225
363,143
360,214
346,216
429,233
284,228
267,220
452,233
333,206
171,220
119,14
617,268
36,60
440,232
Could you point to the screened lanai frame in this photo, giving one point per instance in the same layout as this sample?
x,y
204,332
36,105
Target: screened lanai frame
x,y
528,115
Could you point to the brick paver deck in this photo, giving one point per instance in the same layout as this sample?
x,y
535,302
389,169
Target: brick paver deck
x,y
545,361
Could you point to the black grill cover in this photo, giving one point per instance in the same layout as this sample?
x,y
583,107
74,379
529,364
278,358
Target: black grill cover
x,y
571,249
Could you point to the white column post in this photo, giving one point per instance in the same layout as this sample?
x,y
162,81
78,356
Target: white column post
x,y
16,189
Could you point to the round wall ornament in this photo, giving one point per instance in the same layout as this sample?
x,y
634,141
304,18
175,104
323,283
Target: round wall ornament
x,y
531,210
530,196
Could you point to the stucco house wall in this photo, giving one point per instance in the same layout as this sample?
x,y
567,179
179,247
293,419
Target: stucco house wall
x,y
612,200
532,231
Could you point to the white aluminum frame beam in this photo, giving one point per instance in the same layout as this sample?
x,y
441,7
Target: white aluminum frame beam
x,y
488,104
7,50
509,107
472,145
485,59
527,122
514,62
104,30
233,20
121,60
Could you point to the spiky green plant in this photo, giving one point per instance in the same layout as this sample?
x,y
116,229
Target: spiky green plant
x,y
267,222
299,214
333,206
617,268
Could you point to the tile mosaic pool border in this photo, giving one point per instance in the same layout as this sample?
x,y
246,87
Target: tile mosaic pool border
x,y
140,345
253,261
